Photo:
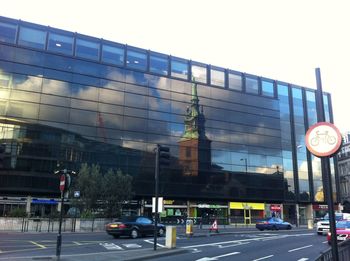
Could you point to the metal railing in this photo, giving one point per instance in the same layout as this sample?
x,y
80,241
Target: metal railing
x,y
343,253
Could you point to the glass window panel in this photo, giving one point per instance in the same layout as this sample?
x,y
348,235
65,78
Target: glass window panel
x,y
83,117
87,49
252,85
199,73
23,110
217,77
8,33
179,69
158,64
235,81
53,113
26,82
32,37
60,43
136,60
112,54
267,88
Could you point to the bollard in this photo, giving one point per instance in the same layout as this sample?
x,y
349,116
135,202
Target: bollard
x,y
170,237
189,227
310,224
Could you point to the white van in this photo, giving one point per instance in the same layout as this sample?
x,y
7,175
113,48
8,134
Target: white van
x,y
323,225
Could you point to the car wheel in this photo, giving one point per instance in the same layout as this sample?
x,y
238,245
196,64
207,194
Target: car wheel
x,y
274,228
116,236
261,229
161,232
289,227
319,233
134,233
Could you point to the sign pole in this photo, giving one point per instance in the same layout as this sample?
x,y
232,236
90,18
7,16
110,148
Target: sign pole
x,y
327,182
156,177
59,236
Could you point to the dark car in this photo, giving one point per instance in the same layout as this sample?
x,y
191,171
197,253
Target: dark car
x,y
272,223
133,226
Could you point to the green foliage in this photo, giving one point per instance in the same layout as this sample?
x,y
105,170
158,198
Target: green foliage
x,y
17,212
102,194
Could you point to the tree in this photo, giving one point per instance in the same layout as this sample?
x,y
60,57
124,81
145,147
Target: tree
x,y
117,188
89,183
100,191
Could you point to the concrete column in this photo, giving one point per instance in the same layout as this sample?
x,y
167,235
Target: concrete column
x,y
297,215
28,205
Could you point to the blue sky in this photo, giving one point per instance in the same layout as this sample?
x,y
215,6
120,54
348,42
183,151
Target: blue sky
x,y
279,39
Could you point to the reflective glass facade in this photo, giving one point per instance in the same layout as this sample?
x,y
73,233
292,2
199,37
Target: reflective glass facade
x,y
73,99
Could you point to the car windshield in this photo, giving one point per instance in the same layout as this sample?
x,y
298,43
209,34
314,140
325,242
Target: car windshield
x,y
343,224
338,216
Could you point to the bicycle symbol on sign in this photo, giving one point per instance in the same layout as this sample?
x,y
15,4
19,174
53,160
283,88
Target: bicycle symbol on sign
x,y
323,137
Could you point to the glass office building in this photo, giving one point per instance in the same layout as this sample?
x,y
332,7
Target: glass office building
x,y
236,140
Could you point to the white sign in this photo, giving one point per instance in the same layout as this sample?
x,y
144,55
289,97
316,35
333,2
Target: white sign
x,y
323,139
160,205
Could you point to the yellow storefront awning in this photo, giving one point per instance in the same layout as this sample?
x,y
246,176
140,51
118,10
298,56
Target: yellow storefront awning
x,y
247,205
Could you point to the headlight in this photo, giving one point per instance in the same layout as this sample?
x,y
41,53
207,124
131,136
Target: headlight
x,y
318,223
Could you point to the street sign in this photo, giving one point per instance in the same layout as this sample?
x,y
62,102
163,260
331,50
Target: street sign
x,y
62,182
323,139
77,194
160,205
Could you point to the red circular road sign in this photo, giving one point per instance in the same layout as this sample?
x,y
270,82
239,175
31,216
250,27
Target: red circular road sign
x,y
62,182
323,139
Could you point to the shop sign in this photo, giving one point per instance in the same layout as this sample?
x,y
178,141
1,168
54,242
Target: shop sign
x,y
168,202
245,205
320,207
275,208
203,206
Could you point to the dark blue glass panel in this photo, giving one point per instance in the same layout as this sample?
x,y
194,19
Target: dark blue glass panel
x,y
235,82
112,54
32,37
179,69
267,88
87,49
8,33
136,59
158,64
252,85
60,43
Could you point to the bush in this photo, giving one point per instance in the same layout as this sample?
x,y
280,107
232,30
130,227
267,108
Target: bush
x,y
17,212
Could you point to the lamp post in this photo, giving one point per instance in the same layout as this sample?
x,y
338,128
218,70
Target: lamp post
x,y
246,165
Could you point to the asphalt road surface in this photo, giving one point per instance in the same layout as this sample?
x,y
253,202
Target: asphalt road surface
x,y
240,245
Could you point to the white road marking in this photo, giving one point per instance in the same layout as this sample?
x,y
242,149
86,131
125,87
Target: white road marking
x,y
303,259
111,246
152,242
261,258
324,242
132,245
295,249
217,257
239,244
195,250
77,243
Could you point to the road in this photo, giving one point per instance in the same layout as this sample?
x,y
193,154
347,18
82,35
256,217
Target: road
x,y
297,244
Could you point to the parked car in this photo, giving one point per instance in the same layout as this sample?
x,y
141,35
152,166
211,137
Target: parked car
x,y
343,231
272,223
133,226
322,226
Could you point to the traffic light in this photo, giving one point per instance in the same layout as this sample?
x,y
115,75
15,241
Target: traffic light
x,y
163,155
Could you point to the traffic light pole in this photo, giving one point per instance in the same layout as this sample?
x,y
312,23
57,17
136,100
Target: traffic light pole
x,y
156,177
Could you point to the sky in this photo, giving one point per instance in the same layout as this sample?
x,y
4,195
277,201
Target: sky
x,y
279,39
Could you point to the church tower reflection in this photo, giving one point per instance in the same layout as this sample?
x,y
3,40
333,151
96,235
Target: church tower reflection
x,y
194,146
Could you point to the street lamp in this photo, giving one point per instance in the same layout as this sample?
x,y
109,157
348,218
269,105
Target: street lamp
x,y
246,165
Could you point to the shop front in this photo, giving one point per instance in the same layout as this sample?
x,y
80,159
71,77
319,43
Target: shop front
x,y
207,212
174,212
246,212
